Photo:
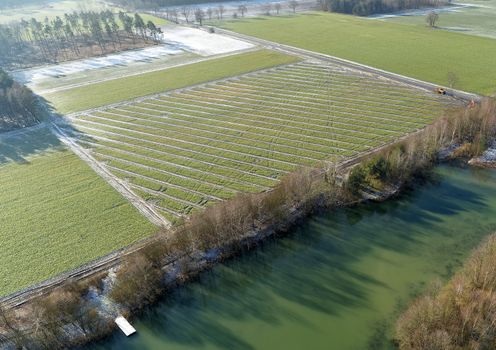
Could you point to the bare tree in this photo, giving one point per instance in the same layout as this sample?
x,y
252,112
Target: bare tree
x,y
199,15
277,6
221,10
11,332
186,12
209,13
174,15
267,8
242,9
432,19
452,79
293,4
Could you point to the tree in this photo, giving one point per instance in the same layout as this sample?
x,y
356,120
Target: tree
x,y
277,6
267,8
153,29
432,19
209,13
452,79
139,24
199,15
293,4
221,10
174,15
186,12
242,9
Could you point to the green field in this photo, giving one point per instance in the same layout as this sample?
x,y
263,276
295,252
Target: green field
x,y
480,20
413,51
183,150
113,91
55,212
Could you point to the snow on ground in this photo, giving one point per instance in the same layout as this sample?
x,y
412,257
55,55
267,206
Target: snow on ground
x,y
67,68
176,40
201,42
424,11
490,154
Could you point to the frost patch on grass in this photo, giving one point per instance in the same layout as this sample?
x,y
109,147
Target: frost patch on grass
x,y
201,42
120,59
176,40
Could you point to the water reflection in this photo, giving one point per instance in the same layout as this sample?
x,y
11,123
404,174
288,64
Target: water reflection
x,y
337,282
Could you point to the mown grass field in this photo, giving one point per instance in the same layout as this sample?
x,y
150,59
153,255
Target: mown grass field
x,y
113,91
56,213
478,20
413,51
183,150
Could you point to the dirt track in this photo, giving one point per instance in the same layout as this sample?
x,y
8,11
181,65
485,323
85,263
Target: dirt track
x,y
113,259
349,64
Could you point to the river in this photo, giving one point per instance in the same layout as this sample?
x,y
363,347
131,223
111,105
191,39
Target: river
x,y
337,282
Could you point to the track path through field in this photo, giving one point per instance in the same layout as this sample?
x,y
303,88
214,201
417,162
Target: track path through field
x,y
346,63
117,184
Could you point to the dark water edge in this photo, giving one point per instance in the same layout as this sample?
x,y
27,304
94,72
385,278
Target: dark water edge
x,y
336,282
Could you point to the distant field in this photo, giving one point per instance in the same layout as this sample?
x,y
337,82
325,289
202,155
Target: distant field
x,y
480,20
413,51
55,212
113,91
59,8
184,150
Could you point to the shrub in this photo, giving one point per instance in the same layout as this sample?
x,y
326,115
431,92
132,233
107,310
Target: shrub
x,y
138,282
462,315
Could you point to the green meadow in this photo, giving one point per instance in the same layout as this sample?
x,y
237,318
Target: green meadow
x,y
56,213
415,51
122,89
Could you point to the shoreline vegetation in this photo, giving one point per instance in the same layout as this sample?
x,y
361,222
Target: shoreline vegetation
x,y
72,314
459,315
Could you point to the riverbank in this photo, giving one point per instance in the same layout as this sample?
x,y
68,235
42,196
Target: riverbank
x,y
221,231
338,279
459,315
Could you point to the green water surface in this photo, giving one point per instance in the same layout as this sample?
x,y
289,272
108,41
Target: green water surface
x,y
337,282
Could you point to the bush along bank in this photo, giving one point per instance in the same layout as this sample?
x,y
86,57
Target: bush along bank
x,y
225,229
460,315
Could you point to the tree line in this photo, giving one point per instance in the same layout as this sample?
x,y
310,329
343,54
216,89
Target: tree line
x,y
199,15
68,316
20,3
18,105
156,4
67,36
370,7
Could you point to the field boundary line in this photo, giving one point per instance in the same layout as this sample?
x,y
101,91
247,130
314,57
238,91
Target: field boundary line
x,y
172,155
420,84
176,119
333,105
234,180
177,148
117,184
143,119
355,133
163,93
193,143
266,83
252,102
195,60
209,139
